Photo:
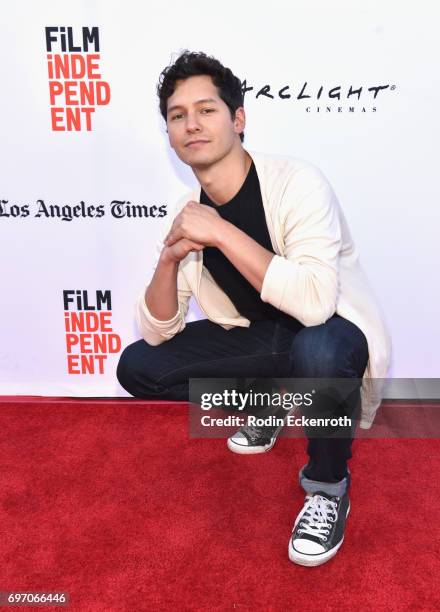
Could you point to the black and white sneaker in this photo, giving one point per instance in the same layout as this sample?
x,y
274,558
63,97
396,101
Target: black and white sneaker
x,y
251,439
318,532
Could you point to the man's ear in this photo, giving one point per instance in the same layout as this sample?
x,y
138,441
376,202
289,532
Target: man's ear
x,y
240,120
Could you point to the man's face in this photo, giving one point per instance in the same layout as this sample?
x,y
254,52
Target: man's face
x,y
199,123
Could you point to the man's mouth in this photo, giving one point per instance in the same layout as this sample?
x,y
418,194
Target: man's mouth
x,y
196,143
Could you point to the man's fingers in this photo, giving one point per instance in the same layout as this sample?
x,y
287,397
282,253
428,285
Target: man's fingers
x,y
171,238
192,244
196,246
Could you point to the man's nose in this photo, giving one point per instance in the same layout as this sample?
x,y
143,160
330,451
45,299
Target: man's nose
x,y
192,123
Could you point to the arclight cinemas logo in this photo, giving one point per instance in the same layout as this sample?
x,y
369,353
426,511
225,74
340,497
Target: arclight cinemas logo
x,y
89,332
333,98
75,85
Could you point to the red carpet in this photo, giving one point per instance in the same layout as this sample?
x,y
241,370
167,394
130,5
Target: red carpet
x,y
111,502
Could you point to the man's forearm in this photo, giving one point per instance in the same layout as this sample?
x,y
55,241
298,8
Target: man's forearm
x,y
161,293
245,254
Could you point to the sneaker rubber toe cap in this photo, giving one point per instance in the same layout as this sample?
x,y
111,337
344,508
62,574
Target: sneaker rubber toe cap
x,y
307,547
240,439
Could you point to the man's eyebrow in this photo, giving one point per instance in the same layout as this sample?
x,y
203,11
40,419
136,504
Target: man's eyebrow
x,y
202,101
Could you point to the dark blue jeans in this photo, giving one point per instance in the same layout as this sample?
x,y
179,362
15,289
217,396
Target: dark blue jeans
x,y
281,348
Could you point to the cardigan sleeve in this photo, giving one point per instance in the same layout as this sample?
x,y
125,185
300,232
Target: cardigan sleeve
x,y
154,331
304,281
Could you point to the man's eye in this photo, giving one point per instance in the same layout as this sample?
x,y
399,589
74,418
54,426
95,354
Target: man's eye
x,y
176,116
207,110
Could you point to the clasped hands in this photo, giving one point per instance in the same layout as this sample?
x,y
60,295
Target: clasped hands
x,y
197,223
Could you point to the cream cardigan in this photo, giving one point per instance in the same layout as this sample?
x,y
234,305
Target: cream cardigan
x,y
315,272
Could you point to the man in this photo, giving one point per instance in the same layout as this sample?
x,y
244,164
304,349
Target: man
x,y
264,248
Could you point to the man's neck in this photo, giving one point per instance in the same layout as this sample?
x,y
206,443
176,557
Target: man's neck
x,y
222,181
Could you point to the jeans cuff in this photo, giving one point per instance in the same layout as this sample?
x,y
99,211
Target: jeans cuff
x,y
331,488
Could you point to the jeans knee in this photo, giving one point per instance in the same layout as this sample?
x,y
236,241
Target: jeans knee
x,y
129,371
316,358
123,370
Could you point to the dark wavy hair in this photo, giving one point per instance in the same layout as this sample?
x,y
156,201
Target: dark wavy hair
x,y
192,63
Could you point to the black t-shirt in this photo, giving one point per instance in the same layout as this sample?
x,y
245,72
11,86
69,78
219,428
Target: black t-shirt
x,y
246,212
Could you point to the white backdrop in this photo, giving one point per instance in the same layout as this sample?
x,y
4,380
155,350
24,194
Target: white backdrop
x,y
382,163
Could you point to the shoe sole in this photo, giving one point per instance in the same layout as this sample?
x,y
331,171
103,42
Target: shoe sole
x,y
313,561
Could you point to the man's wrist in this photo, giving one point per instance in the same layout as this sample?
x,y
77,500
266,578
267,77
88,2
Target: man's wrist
x,y
224,234
167,260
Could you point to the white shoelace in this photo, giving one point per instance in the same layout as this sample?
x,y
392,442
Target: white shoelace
x,y
317,517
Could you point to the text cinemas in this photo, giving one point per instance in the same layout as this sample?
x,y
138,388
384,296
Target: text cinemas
x,y
89,333
75,84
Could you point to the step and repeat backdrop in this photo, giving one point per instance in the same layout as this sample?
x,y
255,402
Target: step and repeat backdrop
x,y
88,178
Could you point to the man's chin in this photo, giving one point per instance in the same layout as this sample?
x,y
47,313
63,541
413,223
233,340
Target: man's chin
x,y
198,161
